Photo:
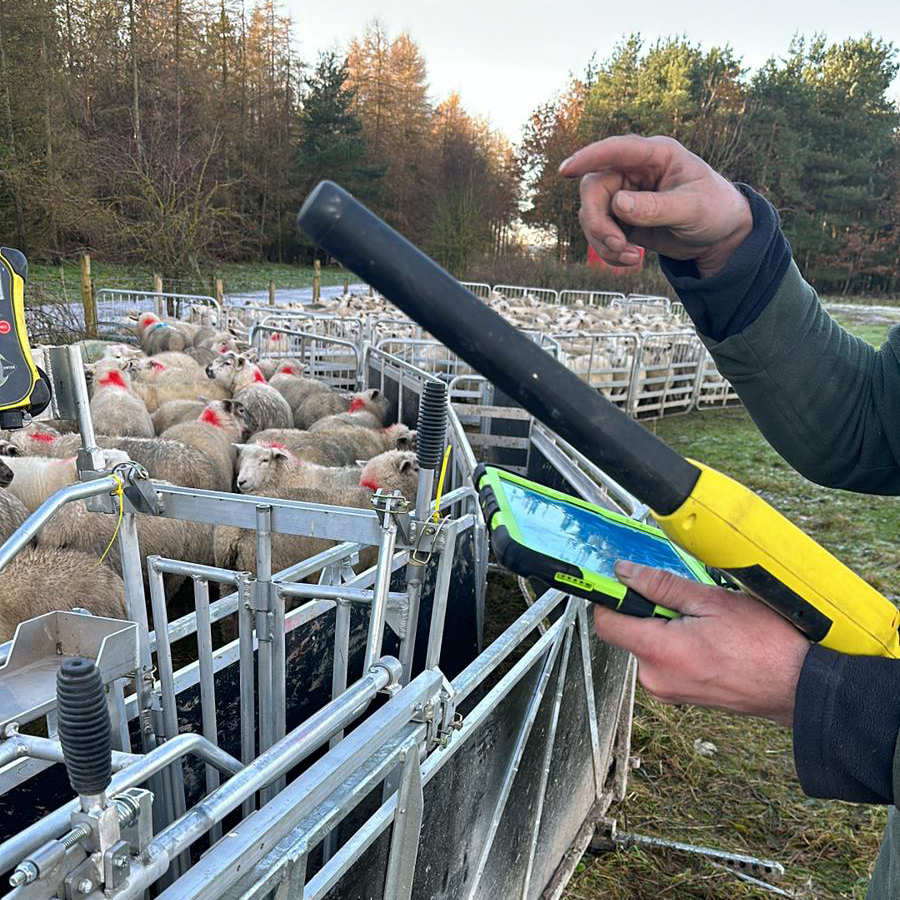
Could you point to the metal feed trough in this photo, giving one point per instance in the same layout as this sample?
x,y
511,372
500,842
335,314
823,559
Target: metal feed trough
x,y
329,730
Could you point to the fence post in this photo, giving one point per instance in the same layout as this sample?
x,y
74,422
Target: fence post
x,y
317,281
87,297
220,292
346,285
272,292
158,289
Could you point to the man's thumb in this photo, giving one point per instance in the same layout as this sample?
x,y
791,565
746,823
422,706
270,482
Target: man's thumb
x,y
665,589
649,208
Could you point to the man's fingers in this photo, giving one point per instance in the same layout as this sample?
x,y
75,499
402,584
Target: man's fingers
x,y
623,152
661,587
603,232
639,636
654,209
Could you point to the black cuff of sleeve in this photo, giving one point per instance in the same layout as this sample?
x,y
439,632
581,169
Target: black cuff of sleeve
x,y
846,723
727,302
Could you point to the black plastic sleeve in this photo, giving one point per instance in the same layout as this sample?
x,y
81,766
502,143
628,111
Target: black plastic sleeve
x,y
623,448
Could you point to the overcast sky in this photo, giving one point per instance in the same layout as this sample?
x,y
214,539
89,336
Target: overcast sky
x,y
504,58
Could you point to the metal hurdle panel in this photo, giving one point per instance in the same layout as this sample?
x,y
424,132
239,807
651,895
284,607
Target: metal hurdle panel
x,y
114,304
519,292
645,305
712,389
589,298
665,376
330,359
346,328
478,288
605,361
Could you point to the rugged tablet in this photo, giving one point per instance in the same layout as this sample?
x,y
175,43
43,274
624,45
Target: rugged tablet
x,y
573,545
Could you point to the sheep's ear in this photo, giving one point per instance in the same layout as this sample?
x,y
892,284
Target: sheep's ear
x,y
7,449
239,447
252,354
241,362
405,466
280,453
374,393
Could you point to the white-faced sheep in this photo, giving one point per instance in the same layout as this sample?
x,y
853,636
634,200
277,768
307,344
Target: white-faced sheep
x,y
222,424
296,388
75,528
235,548
271,366
150,368
268,470
164,460
35,478
326,405
240,376
341,446
115,407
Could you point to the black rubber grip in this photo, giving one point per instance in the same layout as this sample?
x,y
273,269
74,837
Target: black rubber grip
x,y
431,427
84,727
623,448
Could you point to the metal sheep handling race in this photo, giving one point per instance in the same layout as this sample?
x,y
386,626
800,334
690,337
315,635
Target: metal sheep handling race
x,y
345,726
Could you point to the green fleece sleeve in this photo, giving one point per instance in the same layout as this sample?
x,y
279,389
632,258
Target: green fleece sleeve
x,y
827,401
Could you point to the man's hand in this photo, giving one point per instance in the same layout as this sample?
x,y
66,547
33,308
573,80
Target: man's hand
x,y
654,193
727,651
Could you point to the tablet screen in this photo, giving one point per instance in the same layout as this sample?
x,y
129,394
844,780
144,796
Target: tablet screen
x,y
584,538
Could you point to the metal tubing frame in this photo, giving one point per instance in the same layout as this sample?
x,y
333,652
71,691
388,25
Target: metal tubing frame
x,y
211,876
55,823
380,592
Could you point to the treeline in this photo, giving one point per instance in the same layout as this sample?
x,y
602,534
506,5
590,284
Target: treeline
x,y
176,132
816,132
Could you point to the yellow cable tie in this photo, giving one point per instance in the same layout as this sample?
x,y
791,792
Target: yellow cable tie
x,y
121,496
440,489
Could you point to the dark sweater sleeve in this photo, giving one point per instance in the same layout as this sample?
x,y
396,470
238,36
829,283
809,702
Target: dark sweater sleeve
x,y
729,301
846,725
827,401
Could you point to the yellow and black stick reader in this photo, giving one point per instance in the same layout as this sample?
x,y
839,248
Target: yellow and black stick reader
x,y
717,520
24,389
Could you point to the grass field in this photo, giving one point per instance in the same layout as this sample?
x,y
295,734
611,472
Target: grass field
x,y
745,797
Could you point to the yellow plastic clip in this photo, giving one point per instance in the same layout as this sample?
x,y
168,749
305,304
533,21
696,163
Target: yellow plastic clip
x,y
440,488
119,493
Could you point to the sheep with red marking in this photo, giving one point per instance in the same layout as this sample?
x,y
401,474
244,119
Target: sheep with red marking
x,y
235,548
367,410
248,385
116,407
222,424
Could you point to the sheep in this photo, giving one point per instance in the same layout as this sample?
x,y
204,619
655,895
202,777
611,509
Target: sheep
x,y
364,443
237,374
73,527
43,579
116,408
295,388
31,440
235,548
156,335
149,368
341,446
276,365
164,460
317,405
222,423
35,478
367,410
174,411
263,470
13,511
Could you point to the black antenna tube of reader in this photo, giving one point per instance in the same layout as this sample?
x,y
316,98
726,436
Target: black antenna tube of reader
x,y
556,396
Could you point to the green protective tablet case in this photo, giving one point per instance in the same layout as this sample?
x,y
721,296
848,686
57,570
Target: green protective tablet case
x,y
513,551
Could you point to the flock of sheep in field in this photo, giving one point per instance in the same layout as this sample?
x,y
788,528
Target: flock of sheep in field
x,y
193,410
193,404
